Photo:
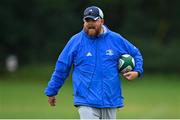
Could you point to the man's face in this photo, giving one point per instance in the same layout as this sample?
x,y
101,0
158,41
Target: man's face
x,y
93,27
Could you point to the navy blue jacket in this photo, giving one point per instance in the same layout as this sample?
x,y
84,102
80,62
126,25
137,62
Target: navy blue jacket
x,y
96,81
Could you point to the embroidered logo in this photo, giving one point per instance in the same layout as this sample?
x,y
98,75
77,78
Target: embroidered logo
x,y
109,52
90,10
88,54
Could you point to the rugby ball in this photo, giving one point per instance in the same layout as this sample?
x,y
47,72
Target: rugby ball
x,y
126,63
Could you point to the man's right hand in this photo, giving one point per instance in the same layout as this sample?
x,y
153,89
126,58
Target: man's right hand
x,y
52,100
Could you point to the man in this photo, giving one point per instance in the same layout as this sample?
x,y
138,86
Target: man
x,y
96,82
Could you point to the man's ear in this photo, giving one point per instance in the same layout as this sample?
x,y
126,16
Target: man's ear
x,y
102,21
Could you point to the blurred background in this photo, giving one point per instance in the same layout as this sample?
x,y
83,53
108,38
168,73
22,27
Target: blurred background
x,y
33,33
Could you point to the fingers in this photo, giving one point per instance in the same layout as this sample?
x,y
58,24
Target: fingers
x,y
52,101
126,74
130,75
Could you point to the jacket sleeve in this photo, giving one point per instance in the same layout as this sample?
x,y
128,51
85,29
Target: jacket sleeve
x,y
62,69
135,53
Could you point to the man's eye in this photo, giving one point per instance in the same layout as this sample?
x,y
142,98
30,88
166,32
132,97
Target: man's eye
x,y
89,20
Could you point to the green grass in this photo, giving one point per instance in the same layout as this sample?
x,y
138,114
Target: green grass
x,y
21,96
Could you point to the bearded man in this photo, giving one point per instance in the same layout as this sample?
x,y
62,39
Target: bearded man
x,y
94,53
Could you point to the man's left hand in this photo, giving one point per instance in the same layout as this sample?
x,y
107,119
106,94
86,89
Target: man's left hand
x,y
131,75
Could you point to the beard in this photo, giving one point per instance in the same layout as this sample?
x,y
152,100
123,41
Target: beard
x,y
93,31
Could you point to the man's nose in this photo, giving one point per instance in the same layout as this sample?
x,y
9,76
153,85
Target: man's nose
x,y
91,22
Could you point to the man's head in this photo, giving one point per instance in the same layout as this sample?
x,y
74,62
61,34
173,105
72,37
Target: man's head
x,y
93,21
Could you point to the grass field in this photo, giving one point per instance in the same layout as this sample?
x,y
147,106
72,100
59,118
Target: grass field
x,y
21,96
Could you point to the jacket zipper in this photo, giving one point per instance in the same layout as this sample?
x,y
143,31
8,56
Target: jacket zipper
x,y
98,60
94,66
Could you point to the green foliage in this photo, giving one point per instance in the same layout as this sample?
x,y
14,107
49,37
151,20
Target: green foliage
x,y
37,30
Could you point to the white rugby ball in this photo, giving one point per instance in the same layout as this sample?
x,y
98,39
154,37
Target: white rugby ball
x,y
126,63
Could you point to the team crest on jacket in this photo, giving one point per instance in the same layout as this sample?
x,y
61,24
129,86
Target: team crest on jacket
x,y
109,52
